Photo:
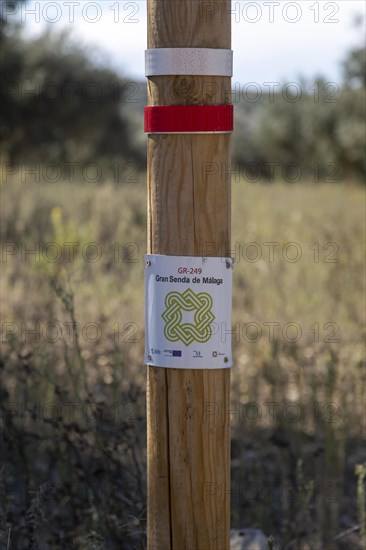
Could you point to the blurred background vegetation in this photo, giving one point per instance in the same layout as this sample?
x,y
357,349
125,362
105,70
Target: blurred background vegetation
x,y
73,424
59,106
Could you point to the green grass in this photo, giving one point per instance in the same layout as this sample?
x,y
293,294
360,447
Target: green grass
x,y
77,480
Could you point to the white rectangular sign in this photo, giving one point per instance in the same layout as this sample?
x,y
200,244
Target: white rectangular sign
x,y
188,312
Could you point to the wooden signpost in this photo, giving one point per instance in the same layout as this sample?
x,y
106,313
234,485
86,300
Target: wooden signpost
x,y
188,439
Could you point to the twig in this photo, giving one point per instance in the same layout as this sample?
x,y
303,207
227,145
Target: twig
x,y
347,532
8,543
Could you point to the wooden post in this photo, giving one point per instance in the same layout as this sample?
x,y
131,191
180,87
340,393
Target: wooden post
x,y
188,439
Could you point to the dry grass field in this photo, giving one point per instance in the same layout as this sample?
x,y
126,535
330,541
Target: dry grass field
x,y
73,392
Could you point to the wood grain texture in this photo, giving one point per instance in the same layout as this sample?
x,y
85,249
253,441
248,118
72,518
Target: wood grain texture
x,y
188,214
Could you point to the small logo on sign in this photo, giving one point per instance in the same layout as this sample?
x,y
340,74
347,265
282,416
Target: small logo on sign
x,y
197,354
173,353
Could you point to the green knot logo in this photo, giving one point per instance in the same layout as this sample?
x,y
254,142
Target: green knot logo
x,y
176,303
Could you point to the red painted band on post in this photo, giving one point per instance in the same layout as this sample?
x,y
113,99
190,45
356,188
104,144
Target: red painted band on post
x,y
189,119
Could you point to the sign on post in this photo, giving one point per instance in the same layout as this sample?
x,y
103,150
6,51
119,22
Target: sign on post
x,y
188,312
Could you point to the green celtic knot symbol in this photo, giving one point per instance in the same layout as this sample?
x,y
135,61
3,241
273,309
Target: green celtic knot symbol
x,y
176,303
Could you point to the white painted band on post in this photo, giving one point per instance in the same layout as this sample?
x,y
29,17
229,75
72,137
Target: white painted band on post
x,y
188,61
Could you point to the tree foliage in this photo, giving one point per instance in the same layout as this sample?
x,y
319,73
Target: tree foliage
x,y
59,106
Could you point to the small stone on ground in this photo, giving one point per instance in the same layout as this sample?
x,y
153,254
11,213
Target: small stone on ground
x,y
247,539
